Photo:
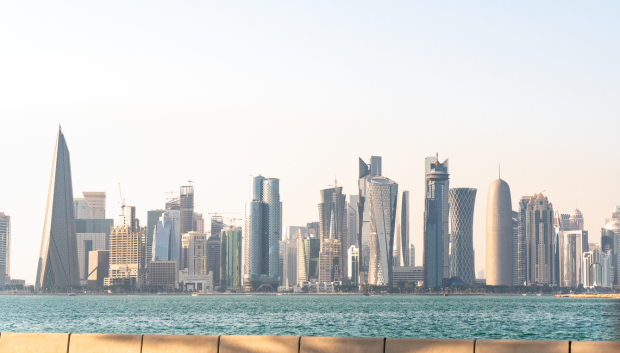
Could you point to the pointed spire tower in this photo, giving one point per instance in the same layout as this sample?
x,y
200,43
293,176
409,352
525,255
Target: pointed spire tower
x,y
58,259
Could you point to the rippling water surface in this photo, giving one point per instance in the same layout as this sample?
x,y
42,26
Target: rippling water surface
x,y
491,317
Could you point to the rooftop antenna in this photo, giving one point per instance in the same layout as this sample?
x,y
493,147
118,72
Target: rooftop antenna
x,y
499,168
122,199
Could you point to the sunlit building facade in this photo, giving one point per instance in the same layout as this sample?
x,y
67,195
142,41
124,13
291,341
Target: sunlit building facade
x,y
462,201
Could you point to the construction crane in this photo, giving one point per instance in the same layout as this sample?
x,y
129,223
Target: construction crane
x,y
122,199
190,182
234,219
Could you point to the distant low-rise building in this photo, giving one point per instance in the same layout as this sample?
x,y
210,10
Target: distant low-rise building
x,y
98,267
163,273
413,274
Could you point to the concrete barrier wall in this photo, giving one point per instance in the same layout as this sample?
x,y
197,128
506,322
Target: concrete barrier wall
x,y
109,343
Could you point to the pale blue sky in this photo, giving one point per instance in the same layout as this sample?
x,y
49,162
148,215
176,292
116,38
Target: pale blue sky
x,y
153,94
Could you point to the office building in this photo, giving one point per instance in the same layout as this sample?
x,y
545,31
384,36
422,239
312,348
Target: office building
x,y
186,204
58,259
540,241
82,210
197,283
308,249
95,226
499,235
87,242
515,249
96,203
353,263
378,196
522,240
330,260
263,231
152,217
98,267
163,273
290,263
411,255
414,274
126,251
610,242
230,273
310,228
462,201
161,247
213,256
333,221
596,269
401,233
217,224
431,164
196,253
5,248
436,236
199,223
570,259
352,220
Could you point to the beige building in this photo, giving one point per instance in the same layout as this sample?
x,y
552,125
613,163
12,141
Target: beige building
x,y
125,254
329,261
163,273
96,203
195,249
87,242
98,267
499,256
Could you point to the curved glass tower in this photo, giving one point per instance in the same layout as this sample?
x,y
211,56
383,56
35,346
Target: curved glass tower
x,y
462,202
58,260
382,197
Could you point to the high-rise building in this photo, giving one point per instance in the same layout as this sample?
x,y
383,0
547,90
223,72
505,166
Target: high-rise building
x,y
378,196
308,249
151,221
332,220
95,226
310,228
186,203
330,260
596,269
570,259
163,273
162,238
353,260
436,235
82,210
401,234
263,227
231,258
615,215
98,267
352,219
5,248
87,242
96,203
58,260
214,244
217,224
515,249
522,241
499,235
290,263
462,201
126,251
610,242
411,255
540,241
196,257
431,164
199,223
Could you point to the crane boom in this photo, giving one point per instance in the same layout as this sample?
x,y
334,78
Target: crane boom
x,y
122,199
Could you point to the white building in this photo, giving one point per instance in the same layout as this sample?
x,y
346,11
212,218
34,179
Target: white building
x,y
413,274
196,283
87,242
5,248
570,258
596,269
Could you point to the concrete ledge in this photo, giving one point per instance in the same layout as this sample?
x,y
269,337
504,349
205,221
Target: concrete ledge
x,y
104,343
259,344
341,344
179,344
427,345
594,346
518,346
34,342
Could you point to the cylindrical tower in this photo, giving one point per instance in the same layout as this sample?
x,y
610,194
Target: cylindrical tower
x,y
252,246
272,224
462,202
499,234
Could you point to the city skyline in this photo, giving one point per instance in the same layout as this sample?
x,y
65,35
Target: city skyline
x,y
401,80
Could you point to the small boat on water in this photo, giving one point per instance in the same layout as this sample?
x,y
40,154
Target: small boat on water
x,y
366,294
524,294
72,294
539,294
195,294
445,294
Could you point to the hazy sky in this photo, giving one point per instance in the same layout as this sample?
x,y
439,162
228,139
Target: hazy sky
x,y
152,94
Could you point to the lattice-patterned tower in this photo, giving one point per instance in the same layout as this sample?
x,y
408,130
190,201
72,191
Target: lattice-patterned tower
x,y
462,201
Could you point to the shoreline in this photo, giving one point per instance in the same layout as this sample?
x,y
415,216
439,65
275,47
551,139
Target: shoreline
x,y
606,296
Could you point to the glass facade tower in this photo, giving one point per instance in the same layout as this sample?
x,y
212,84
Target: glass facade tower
x,y
434,233
462,201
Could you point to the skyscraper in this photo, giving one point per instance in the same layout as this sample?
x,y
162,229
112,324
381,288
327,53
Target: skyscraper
x,y
58,260
401,234
96,203
378,196
411,255
330,260
162,238
151,221
499,234
515,249
610,242
436,207
462,201
186,202
290,263
522,241
430,164
126,251
540,242
82,210
87,242
571,251
332,220
196,253
5,248
308,249
213,257
231,258
263,227
352,219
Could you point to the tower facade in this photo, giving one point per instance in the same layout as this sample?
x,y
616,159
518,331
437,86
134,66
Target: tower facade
x,y
58,259
332,220
436,210
499,235
231,258
5,247
462,201
540,242
401,234
263,227
381,200
430,164
186,202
